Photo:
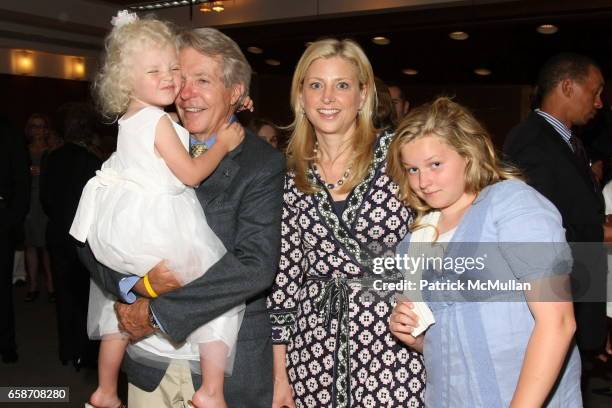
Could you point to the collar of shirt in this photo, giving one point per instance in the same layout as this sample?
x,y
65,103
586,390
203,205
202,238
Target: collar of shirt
x,y
211,140
561,129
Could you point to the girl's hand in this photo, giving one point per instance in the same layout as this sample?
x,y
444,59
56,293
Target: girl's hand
x,y
402,322
283,396
230,136
247,104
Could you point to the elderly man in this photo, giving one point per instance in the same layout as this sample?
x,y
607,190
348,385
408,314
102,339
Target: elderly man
x,y
242,202
554,162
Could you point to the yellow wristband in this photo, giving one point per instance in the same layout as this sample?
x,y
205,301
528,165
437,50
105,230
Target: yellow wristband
x,y
148,287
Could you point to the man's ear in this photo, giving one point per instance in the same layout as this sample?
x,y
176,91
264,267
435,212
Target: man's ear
x,y
237,92
567,87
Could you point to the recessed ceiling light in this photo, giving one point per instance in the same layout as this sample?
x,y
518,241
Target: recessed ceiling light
x,y
459,35
482,71
255,50
547,29
409,71
381,40
273,62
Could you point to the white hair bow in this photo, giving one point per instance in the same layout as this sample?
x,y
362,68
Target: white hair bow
x,y
123,17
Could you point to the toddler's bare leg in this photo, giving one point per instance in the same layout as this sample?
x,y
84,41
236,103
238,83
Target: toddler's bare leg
x,y
112,349
213,357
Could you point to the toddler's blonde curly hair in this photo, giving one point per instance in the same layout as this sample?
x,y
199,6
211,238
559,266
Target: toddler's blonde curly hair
x,y
112,87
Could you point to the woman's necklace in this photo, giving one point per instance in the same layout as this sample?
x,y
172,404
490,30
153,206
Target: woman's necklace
x,y
328,185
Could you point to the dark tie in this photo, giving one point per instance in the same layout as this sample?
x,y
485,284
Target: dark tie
x,y
580,153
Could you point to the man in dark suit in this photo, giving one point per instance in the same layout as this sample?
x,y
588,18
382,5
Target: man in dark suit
x,y
14,204
66,170
242,201
554,162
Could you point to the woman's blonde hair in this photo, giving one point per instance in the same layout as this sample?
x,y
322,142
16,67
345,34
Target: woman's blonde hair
x,y
112,87
301,144
458,128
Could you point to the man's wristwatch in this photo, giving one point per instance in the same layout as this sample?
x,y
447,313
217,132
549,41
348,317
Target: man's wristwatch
x,y
152,321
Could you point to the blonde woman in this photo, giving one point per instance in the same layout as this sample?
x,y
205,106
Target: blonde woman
x,y
495,348
332,347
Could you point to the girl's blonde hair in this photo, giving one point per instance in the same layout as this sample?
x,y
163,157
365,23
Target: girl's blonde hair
x,y
112,87
458,128
301,144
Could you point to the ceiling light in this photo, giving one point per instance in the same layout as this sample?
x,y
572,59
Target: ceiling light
x,y
208,6
218,6
459,35
482,71
255,50
547,29
205,5
381,40
75,67
273,62
23,62
409,71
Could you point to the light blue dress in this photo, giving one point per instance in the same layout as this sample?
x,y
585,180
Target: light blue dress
x,y
474,352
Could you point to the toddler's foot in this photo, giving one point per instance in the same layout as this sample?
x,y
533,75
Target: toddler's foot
x,y
203,399
99,399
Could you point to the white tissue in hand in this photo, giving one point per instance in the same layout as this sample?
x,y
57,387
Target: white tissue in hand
x,y
426,318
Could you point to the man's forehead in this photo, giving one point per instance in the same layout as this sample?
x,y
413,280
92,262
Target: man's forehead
x,y
194,54
396,93
599,77
198,63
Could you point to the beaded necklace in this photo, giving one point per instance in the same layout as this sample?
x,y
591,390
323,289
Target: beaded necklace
x,y
328,185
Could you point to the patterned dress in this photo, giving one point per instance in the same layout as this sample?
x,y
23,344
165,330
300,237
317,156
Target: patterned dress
x,y
340,352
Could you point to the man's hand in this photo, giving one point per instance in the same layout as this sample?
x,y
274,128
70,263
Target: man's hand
x,y
134,319
161,278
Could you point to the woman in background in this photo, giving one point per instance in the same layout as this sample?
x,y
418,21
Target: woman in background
x,y
37,257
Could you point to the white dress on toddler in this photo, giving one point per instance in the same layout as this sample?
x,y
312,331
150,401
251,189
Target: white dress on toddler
x,y
135,212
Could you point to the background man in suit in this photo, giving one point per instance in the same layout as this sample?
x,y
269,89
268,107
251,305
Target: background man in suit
x,y
66,170
14,203
554,162
242,202
400,103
